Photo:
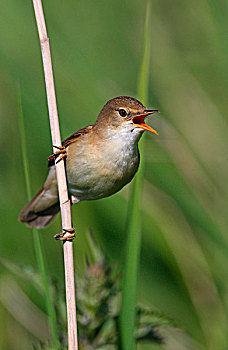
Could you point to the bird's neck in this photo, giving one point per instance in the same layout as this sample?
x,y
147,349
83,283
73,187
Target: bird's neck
x,y
121,137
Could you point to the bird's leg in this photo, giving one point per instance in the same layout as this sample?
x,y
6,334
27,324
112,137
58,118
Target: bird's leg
x,y
61,153
61,237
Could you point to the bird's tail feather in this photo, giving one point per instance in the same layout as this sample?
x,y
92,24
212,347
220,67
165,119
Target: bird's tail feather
x,y
40,212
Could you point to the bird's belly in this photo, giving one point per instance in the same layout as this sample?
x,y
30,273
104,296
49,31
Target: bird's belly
x,y
101,177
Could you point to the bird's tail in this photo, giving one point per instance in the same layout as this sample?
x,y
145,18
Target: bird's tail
x,y
41,210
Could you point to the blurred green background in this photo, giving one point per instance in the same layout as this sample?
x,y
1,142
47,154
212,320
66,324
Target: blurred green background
x,y
96,50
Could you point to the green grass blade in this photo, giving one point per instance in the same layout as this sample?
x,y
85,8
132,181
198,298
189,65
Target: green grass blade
x,y
129,293
36,239
143,85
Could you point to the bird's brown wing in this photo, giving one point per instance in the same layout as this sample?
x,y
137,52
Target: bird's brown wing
x,y
68,141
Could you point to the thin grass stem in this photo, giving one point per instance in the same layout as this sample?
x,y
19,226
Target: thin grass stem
x,y
36,238
65,204
133,248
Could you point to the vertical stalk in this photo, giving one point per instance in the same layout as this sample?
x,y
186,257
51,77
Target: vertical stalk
x,y
129,293
65,206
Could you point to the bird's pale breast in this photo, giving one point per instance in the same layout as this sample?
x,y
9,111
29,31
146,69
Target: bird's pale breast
x,y
99,169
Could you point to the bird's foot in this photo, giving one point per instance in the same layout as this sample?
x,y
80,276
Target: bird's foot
x,y
61,153
61,236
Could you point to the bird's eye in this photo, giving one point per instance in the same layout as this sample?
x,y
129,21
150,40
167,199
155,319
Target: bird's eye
x,y
122,112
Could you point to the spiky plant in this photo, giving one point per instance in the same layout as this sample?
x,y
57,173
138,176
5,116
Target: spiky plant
x,y
98,306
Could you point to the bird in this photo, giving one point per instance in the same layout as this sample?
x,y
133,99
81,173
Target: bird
x,y
100,160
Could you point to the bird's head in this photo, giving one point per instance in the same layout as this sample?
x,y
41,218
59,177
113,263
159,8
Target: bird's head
x,y
125,113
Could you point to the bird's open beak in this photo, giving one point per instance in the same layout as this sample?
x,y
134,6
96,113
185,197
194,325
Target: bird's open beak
x,y
139,120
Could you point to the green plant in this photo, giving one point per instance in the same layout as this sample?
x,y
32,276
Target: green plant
x,y
98,309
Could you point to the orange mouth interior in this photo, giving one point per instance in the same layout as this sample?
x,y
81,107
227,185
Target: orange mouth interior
x,y
139,121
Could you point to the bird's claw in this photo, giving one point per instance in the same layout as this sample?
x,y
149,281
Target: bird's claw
x,y
61,236
61,153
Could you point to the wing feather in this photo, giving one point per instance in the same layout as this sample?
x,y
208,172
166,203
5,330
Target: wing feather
x,y
68,141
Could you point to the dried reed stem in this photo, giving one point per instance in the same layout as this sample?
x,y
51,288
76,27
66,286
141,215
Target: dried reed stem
x,y
61,176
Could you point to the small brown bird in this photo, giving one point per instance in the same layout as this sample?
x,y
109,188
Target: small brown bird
x,y
100,160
